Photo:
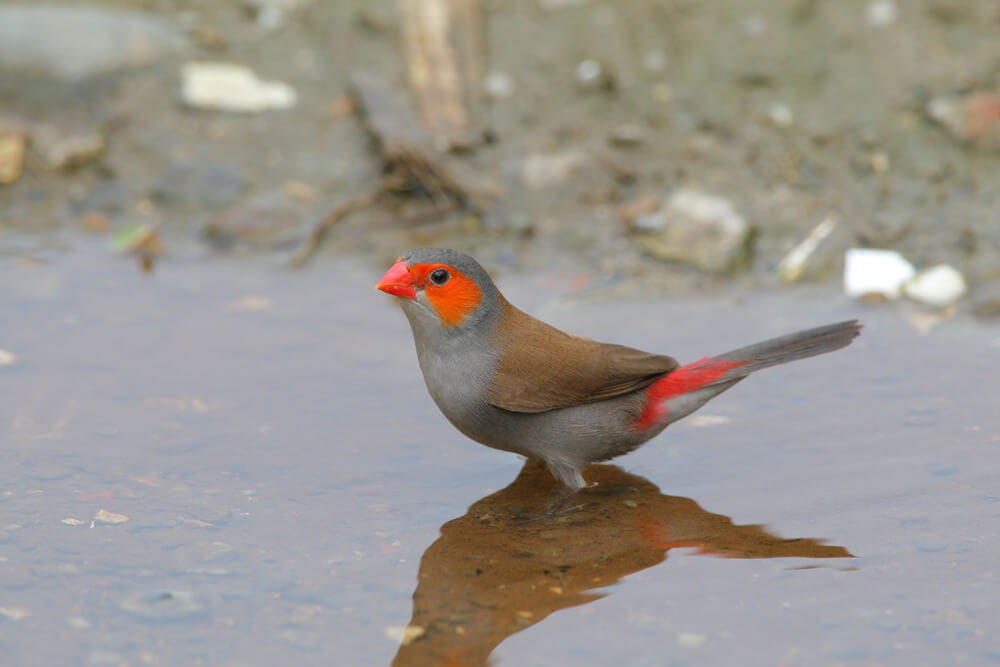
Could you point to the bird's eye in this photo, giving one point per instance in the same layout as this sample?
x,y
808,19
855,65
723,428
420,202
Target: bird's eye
x,y
439,276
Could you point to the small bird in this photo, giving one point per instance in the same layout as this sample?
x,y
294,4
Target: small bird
x,y
512,382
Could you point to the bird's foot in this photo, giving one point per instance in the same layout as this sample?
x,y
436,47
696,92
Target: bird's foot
x,y
561,501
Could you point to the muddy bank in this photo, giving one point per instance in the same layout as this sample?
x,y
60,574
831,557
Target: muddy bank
x,y
791,112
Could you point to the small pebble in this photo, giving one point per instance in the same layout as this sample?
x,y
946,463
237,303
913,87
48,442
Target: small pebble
x,y
588,71
95,222
230,87
14,613
881,13
754,25
104,516
627,135
631,210
498,85
880,272
12,149
780,114
654,61
690,639
708,420
939,286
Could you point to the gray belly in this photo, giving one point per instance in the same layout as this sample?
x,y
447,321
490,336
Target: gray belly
x,y
458,374
575,435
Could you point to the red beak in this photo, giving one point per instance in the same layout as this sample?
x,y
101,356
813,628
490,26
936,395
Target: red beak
x,y
398,282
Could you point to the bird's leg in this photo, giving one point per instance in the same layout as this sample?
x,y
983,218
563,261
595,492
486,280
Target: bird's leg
x,y
569,481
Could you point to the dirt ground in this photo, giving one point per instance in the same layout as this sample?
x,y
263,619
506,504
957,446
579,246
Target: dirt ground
x,y
792,110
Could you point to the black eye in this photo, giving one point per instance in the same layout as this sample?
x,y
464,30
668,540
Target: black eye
x,y
439,276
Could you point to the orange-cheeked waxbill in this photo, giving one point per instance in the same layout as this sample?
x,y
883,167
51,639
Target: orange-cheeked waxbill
x,y
512,382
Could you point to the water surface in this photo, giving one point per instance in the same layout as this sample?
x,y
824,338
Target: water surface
x,y
276,485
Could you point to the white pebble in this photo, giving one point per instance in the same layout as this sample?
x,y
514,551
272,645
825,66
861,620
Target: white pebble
x,y
881,13
654,61
780,114
497,85
870,271
690,639
588,71
232,88
754,25
939,286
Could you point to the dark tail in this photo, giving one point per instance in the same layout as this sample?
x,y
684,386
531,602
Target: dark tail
x,y
783,349
682,391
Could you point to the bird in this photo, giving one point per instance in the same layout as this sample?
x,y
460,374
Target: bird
x,y
512,382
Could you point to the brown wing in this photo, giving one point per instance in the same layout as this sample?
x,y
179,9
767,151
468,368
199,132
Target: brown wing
x,y
542,368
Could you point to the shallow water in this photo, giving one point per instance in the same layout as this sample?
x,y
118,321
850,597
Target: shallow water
x,y
288,485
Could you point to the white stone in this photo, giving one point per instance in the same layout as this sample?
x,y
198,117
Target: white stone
x,y
940,286
654,61
541,170
754,25
700,229
588,71
498,85
780,114
705,207
881,13
75,42
230,87
690,639
870,271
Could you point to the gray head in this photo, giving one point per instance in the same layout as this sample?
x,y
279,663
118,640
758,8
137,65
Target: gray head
x,y
443,289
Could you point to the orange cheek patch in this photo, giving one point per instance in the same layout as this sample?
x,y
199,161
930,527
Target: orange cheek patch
x,y
454,300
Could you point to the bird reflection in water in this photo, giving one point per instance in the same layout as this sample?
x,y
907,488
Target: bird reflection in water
x,y
493,572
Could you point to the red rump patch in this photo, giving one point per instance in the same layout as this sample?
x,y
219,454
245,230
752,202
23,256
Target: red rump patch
x,y
684,380
657,536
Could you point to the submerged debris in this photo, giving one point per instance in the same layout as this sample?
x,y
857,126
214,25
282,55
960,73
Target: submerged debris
x,y
104,516
142,241
163,605
14,613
